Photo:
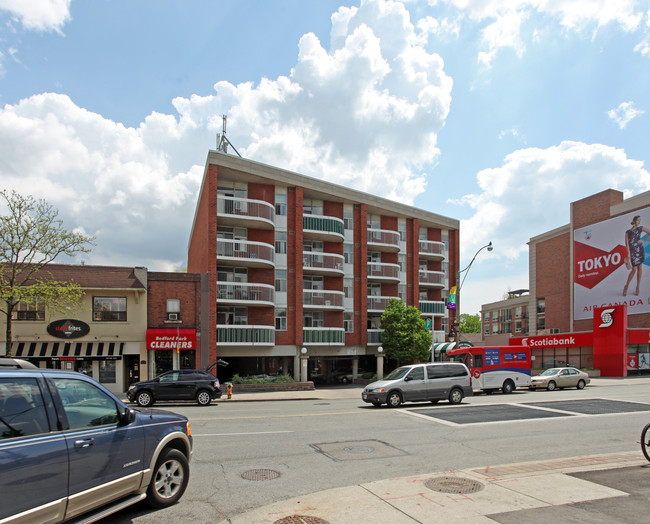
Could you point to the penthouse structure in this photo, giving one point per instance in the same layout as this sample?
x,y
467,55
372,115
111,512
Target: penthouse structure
x,y
300,270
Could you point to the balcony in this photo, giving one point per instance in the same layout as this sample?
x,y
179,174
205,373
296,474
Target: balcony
x,y
318,263
245,253
433,279
327,229
375,336
245,294
323,336
235,335
432,250
383,240
321,299
245,212
433,307
382,271
377,304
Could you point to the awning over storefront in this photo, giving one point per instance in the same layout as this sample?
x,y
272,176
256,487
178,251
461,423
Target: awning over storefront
x,y
444,347
68,350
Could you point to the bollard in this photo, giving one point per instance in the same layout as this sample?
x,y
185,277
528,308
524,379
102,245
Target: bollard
x,y
229,390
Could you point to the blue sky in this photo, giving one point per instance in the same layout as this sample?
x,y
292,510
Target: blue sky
x,y
498,113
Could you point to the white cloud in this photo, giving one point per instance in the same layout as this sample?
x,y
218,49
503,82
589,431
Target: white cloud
x,y
39,15
531,192
365,113
624,113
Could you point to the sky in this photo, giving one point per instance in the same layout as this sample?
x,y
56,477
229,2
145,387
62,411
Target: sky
x,y
498,113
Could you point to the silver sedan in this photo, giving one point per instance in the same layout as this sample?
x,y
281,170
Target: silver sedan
x,y
554,378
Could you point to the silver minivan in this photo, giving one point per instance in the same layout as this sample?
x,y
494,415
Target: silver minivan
x,y
421,382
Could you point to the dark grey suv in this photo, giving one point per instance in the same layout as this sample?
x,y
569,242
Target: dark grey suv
x,y
183,384
70,448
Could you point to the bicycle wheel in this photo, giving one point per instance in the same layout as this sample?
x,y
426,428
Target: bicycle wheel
x,y
645,442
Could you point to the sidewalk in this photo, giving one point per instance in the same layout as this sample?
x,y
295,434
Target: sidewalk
x,y
532,490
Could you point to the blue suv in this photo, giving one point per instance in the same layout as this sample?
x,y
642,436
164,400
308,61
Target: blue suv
x,y
69,447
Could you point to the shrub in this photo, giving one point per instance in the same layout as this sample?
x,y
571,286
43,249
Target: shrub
x,y
284,379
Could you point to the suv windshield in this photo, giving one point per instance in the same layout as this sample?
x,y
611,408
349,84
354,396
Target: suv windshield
x,y
397,373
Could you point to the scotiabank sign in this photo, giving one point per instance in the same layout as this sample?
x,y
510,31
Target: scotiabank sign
x,y
177,339
555,341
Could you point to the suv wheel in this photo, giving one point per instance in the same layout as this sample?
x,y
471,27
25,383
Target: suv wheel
x,y
169,480
203,398
144,399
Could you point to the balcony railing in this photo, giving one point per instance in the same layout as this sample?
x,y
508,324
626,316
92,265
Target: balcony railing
x,y
433,307
322,263
248,293
323,336
377,303
322,299
323,228
432,250
375,336
383,271
245,252
383,240
434,279
245,212
245,335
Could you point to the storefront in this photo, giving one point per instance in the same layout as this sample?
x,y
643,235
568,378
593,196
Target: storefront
x,y
611,347
171,348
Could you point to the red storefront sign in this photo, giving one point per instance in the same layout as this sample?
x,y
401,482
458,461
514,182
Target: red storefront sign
x,y
175,339
561,340
638,336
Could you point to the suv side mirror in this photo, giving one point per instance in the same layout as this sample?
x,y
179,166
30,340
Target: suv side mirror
x,y
408,378
127,416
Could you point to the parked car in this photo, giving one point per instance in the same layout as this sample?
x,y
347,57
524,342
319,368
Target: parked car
x,y
70,449
554,378
419,382
16,363
346,377
183,384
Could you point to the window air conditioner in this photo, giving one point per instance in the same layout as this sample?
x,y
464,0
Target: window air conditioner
x,y
172,316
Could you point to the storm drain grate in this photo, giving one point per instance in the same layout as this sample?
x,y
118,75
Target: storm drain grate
x,y
454,485
260,474
300,519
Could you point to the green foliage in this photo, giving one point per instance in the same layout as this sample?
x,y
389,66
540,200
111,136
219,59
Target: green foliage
x,y
32,236
470,323
284,379
405,338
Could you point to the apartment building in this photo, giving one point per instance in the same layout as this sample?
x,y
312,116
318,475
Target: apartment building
x,y
300,270
505,318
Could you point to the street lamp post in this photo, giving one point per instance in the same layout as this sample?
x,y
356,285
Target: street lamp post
x,y
459,284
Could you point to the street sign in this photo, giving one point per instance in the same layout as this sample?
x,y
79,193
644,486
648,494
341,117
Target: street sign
x,y
428,323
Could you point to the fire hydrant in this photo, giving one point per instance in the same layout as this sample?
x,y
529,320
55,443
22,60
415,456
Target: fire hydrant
x,y
229,389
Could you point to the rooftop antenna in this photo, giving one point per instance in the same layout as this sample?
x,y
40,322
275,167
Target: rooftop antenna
x,y
223,142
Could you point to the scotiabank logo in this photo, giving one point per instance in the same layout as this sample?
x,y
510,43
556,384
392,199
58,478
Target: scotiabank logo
x,y
592,265
606,317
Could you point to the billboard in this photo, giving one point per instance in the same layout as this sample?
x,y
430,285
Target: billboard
x,y
610,262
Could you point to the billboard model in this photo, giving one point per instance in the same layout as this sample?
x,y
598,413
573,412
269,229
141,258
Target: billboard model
x,y
610,262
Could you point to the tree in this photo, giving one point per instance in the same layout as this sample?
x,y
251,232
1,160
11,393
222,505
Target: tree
x,y
470,323
31,237
405,337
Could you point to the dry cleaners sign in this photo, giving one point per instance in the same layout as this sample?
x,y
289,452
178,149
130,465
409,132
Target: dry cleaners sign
x,y
68,328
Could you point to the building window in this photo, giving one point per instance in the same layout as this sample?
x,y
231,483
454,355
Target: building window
x,y
401,292
314,319
312,207
109,309
281,280
348,253
348,217
348,322
281,242
401,260
237,316
232,274
374,221
401,228
495,315
281,319
518,311
486,317
495,329
173,309
518,326
486,329
348,287
281,204
29,310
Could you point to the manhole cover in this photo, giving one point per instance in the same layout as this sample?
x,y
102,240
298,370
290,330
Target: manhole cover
x,y
358,449
454,485
300,519
260,474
